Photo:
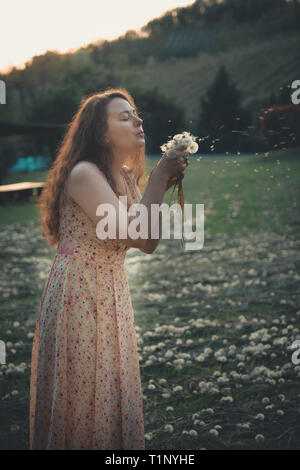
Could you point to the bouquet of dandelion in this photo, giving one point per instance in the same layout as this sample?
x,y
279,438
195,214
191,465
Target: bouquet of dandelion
x,y
187,140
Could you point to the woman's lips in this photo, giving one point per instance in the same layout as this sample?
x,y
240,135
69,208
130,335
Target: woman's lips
x,y
140,134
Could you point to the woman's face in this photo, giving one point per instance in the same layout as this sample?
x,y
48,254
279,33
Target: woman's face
x,y
123,127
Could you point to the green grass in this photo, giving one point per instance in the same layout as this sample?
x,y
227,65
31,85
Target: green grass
x,y
15,213
264,202
36,176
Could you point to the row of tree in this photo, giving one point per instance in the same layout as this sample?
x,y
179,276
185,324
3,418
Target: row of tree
x,y
223,124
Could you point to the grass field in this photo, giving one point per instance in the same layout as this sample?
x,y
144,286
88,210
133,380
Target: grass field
x,y
239,193
214,326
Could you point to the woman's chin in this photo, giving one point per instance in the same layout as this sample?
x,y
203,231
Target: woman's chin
x,y
141,143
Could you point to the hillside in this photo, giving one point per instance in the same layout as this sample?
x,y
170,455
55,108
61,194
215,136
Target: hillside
x,y
258,69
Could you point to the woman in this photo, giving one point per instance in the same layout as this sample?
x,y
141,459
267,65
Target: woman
x,y
85,389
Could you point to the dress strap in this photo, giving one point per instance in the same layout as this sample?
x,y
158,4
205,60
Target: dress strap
x,y
127,180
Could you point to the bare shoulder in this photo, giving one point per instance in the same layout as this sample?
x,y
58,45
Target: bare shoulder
x,y
83,171
85,167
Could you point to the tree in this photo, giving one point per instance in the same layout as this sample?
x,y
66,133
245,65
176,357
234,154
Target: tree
x,y
8,154
161,117
221,115
55,108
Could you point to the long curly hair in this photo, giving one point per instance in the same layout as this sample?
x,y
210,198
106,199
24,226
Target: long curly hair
x,y
85,140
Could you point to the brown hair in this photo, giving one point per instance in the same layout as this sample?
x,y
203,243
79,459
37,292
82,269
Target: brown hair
x,y
85,140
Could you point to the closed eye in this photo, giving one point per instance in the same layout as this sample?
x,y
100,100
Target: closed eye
x,y
127,112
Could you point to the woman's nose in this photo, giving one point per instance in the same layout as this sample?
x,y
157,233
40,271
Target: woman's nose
x,y
139,120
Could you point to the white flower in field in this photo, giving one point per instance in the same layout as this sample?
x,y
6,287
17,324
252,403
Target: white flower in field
x,y
193,432
148,436
226,400
178,388
243,425
148,362
151,387
9,345
185,432
208,410
169,428
281,397
202,384
222,358
14,392
179,361
280,341
169,408
16,324
207,351
265,400
259,438
162,381
200,358
269,407
169,353
195,415
222,379
30,335
259,416
214,432
220,352
166,395
280,412
185,139
217,426
216,373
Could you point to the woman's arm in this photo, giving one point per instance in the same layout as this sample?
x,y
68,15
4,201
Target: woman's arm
x,y
88,187
151,244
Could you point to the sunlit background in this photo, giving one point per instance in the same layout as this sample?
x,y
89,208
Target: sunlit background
x,y
31,27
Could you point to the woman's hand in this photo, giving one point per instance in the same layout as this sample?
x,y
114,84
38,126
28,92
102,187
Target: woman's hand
x,y
173,180
170,168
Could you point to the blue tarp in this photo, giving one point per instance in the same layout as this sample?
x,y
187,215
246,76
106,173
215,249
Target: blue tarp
x,y
30,164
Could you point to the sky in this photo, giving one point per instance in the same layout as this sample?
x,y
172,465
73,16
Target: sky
x,y
31,27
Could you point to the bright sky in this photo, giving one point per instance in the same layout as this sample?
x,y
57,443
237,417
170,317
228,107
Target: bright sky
x,y
32,27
